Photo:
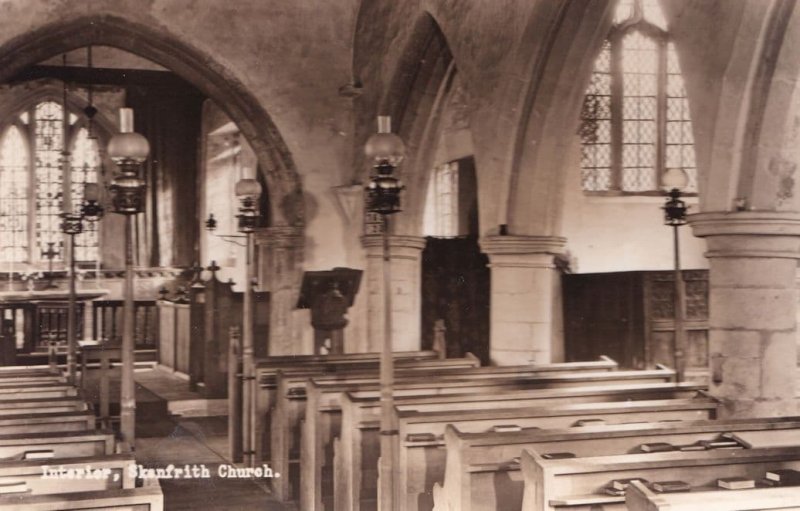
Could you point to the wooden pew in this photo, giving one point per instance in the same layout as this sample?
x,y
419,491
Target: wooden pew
x,y
290,383
48,421
471,456
418,466
304,367
62,444
323,412
112,471
361,408
147,498
286,416
411,468
266,369
575,484
639,497
40,405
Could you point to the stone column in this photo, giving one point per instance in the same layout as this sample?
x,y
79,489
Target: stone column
x,y
406,259
280,271
526,299
752,309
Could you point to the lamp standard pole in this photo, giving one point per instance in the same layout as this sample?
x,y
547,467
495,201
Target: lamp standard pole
x,y
128,150
72,225
680,308
675,216
247,355
383,197
248,191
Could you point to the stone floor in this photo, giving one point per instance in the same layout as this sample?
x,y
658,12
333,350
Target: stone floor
x,y
164,439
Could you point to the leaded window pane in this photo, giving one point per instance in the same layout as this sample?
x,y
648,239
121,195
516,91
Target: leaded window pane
x,y
84,169
652,103
13,196
49,129
441,207
595,129
680,138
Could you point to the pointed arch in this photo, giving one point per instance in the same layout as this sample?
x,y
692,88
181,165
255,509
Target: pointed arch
x,y
210,77
416,98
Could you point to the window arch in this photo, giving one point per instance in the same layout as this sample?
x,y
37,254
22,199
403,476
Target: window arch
x,y
635,120
35,183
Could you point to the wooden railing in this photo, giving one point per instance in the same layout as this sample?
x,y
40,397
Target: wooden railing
x,y
107,322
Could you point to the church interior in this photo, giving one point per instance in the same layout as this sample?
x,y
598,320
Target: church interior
x,y
399,255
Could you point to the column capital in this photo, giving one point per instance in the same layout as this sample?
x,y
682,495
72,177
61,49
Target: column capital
x,y
770,234
522,251
520,245
373,241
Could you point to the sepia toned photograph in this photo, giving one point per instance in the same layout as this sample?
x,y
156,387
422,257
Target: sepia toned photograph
x,y
399,255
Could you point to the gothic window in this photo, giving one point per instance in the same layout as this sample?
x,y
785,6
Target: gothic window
x,y
635,119
35,184
14,201
441,205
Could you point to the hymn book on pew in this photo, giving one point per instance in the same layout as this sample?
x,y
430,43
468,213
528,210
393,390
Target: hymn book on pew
x,y
657,447
558,455
735,483
783,477
670,486
617,487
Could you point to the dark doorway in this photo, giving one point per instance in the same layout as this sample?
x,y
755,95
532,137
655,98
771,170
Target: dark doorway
x,y
455,288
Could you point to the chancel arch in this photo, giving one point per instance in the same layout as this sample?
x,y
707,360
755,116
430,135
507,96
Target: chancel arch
x,y
285,201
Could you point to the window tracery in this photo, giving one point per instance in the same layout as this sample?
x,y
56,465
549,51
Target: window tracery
x,y
35,183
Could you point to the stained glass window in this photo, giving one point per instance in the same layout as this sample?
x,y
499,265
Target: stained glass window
x,y
635,120
84,168
14,176
441,205
49,125
33,189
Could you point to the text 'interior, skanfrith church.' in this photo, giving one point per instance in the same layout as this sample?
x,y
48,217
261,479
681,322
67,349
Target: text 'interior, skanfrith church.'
x,y
399,255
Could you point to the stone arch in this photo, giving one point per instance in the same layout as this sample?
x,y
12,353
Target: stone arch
x,y
416,98
208,76
564,45
768,177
